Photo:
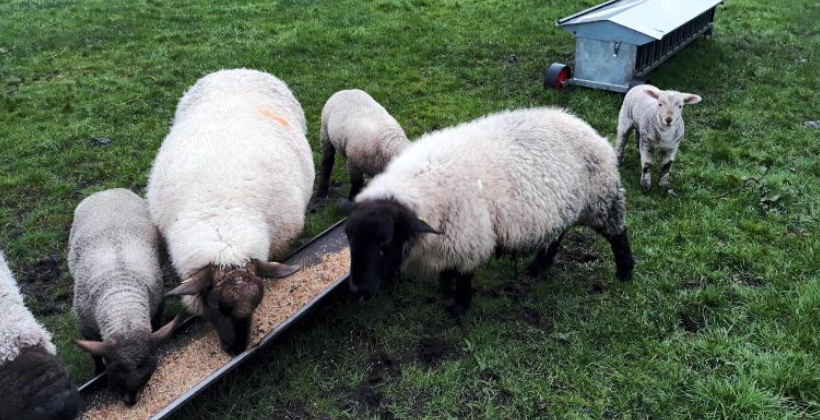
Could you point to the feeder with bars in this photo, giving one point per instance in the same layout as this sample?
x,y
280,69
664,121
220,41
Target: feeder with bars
x,y
619,42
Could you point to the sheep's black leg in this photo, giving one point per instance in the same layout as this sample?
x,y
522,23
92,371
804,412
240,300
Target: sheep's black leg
x,y
624,262
463,295
544,258
356,182
446,283
156,321
99,366
328,157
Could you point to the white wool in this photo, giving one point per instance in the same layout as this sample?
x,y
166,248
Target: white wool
x,y
362,131
516,179
234,176
18,328
114,258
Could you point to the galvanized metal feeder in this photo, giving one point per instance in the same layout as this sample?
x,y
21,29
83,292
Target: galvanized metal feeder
x,y
619,42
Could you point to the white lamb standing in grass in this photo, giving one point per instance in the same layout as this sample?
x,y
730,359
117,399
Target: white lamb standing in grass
x,y
34,384
512,181
228,190
114,257
362,131
656,115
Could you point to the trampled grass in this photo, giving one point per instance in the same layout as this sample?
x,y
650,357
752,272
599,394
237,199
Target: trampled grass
x,y
721,321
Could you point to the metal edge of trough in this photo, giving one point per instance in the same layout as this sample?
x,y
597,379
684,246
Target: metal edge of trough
x,y
560,22
97,381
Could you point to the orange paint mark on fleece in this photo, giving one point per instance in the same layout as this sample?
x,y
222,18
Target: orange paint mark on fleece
x,y
267,113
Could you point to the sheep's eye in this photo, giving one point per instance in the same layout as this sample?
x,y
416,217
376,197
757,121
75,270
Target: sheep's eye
x,y
680,106
660,105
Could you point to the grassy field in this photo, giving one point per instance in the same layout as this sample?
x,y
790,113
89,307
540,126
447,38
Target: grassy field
x,y
721,321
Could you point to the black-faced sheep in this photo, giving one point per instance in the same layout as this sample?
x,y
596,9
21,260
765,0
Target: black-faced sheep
x,y
228,190
515,181
362,131
34,384
114,257
656,116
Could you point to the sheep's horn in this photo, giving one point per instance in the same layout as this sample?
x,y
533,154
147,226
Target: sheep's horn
x,y
163,333
95,348
194,285
274,270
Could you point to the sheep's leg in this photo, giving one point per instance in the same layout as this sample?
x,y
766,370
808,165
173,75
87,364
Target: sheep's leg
x,y
647,162
356,182
624,130
463,292
328,157
612,226
446,283
544,258
666,167
156,321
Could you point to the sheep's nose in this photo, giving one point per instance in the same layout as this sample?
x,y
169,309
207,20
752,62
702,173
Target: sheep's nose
x,y
669,120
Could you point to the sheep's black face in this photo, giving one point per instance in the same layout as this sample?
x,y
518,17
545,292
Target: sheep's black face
x,y
229,307
379,231
36,386
130,361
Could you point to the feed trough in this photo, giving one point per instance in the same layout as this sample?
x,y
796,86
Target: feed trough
x,y
619,42
192,360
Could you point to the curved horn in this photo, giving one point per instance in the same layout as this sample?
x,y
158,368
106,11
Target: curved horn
x,y
194,285
274,270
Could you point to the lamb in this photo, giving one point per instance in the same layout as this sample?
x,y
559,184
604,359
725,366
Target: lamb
x,y
114,257
228,190
34,384
656,117
359,128
512,181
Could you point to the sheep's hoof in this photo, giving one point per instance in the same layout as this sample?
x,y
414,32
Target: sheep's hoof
x,y
645,187
670,192
455,310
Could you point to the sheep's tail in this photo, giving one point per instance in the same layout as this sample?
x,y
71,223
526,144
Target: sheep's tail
x,y
328,157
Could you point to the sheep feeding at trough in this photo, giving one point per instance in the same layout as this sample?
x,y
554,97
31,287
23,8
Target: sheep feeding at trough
x,y
228,190
34,384
114,258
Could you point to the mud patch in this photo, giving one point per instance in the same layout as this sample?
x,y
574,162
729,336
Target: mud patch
x,y
41,282
382,368
431,351
366,401
688,323
599,286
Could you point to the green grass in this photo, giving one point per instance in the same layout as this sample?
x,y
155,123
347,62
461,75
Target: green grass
x,y
721,321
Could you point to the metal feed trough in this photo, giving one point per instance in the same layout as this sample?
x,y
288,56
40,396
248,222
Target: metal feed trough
x,y
619,42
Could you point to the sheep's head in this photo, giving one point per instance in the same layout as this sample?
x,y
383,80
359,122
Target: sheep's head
x,y
36,386
130,359
670,105
229,297
379,232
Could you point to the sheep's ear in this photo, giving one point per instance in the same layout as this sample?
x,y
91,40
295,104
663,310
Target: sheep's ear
x,y
654,93
194,285
94,348
417,225
344,206
274,270
691,99
163,333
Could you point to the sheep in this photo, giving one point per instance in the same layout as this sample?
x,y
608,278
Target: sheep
x,y
656,116
362,131
34,384
512,181
114,257
228,190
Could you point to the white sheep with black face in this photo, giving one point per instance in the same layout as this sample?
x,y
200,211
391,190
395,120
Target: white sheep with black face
x,y
656,116
362,131
34,384
228,190
114,257
513,181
